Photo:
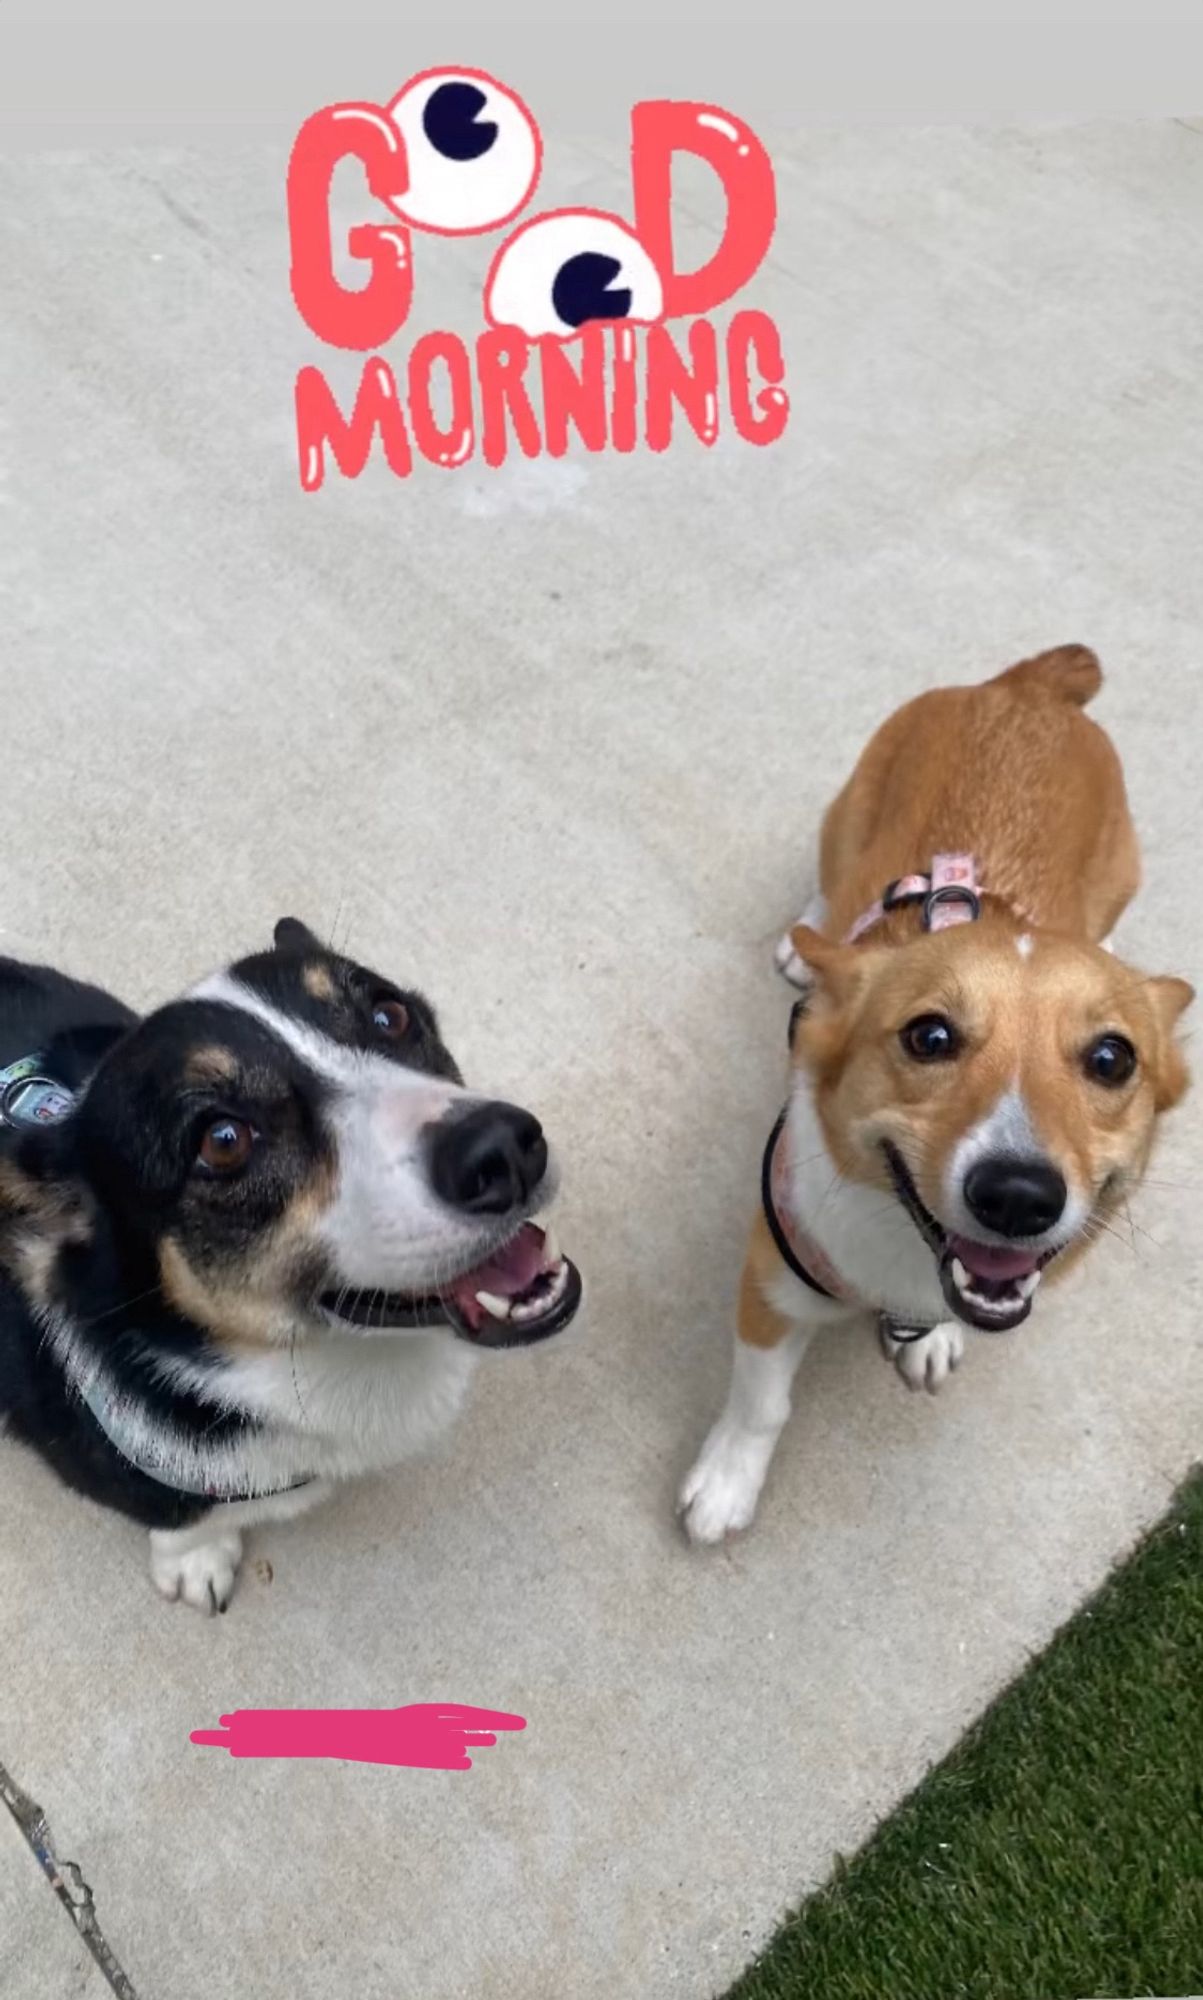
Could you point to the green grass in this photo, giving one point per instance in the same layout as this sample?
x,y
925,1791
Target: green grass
x,y
1057,1853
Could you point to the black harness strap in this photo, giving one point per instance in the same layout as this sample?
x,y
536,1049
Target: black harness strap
x,y
773,1219
891,1328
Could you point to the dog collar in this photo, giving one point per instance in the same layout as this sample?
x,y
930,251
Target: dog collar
x,y
28,1097
949,895
117,1417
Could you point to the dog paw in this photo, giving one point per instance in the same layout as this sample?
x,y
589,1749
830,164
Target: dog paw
x,y
928,1362
202,1576
719,1496
790,966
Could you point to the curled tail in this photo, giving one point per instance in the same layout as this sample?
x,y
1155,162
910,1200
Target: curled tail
x,y
1068,673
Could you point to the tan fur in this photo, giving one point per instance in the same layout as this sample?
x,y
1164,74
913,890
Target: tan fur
x,y
1025,1023
32,1257
317,981
38,1219
20,1194
250,1305
239,1304
1010,771
218,1301
1014,773
210,1065
759,1323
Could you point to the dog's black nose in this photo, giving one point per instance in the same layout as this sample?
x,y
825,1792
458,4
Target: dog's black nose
x,y
1015,1197
488,1160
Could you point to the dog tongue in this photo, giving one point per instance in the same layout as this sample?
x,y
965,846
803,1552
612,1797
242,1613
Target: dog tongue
x,y
508,1272
986,1260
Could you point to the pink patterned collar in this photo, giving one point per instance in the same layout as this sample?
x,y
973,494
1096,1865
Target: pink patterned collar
x,y
949,895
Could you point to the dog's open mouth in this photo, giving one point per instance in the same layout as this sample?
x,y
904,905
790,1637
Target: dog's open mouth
x,y
522,1292
989,1286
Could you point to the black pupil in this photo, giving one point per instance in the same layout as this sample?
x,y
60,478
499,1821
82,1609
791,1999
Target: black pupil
x,y
224,1137
450,122
931,1038
1111,1061
580,291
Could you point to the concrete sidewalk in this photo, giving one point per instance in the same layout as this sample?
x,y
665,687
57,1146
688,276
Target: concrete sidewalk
x,y
553,742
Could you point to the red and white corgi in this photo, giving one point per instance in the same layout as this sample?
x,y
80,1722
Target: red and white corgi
x,y
975,1077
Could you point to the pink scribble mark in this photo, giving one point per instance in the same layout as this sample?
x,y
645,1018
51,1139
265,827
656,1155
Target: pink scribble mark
x,y
426,1735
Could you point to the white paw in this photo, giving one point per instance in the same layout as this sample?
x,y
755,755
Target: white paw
x,y
789,964
203,1576
926,1363
791,967
719,1496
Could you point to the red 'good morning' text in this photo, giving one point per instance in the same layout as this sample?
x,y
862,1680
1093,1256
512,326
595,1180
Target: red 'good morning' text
x,y
575,304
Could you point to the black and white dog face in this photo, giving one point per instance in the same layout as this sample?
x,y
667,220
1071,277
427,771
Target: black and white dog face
x,y
291,1145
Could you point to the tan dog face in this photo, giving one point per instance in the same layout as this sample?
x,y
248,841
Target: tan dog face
x,y
1005,1087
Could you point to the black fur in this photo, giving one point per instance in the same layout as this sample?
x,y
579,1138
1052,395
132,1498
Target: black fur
x,y
123,1168
70,1025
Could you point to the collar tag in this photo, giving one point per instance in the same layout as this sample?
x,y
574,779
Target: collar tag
x,y
29,1098
953,897
949,895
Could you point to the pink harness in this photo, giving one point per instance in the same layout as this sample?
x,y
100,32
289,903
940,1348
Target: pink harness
x,y
949,895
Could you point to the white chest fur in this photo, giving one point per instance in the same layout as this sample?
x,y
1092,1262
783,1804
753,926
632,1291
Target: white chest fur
x,y
330,1406
865,1231
358,1404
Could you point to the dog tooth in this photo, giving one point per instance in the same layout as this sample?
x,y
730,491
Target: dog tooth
x,y
960,1275
551,1249
499,1308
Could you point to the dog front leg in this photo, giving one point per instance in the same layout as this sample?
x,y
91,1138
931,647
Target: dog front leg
x,y
198,1564
720,1494
924,1360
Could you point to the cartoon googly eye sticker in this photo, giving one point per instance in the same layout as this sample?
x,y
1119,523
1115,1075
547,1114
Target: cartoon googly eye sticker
x,y
473,148
562,270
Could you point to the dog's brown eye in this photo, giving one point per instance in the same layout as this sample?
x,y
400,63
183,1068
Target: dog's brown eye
x,y
390,1017
930,1038
226,1145
1110,1060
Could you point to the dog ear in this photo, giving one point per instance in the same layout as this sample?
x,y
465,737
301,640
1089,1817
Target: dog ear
x,y
292,935
838,969
1170,997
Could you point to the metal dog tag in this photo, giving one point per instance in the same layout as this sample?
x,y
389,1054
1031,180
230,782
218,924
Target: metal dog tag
x,y
27,1098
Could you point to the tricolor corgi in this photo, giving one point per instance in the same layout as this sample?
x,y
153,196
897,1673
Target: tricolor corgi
x,y
252,1244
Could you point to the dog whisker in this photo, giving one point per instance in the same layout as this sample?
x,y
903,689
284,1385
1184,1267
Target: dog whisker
x,y
126,1305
